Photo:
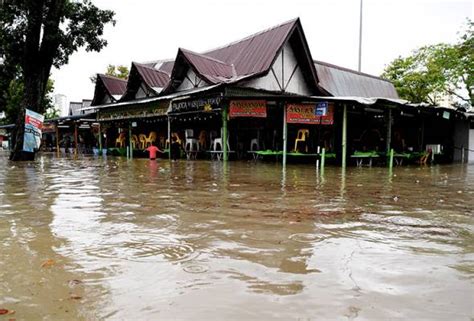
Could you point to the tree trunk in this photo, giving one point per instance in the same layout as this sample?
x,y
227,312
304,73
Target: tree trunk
x,y
35,73
34,88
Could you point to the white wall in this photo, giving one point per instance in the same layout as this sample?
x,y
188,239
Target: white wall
x,y
283,68
191,81
140,93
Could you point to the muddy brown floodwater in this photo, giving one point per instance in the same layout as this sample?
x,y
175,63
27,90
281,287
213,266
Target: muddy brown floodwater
x,y
94,239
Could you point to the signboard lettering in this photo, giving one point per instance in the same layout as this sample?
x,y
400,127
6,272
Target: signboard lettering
x,y
204,104
248,108
321,109
32,136
316,114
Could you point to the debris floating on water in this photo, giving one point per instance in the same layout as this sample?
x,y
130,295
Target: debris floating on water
x,y
6,311
48,263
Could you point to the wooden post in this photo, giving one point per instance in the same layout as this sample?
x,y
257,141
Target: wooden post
x,y
169,138
344,136
224,134
75,138
130,139
389,131
285,135
57,139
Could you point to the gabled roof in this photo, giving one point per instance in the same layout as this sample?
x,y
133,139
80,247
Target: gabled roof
x,y
115,86
247,58
165,66
339,81
256,53
212,70
153,79
108,87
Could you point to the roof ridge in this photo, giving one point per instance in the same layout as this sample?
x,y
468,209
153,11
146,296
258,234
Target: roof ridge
x,y
112,77
205,56
156,61
253,35
349,70
149,67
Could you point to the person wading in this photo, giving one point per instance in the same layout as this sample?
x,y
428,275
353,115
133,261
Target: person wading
x,y
175,149
152,149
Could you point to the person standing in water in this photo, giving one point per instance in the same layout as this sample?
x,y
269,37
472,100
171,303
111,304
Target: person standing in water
x,y
152,149
175,149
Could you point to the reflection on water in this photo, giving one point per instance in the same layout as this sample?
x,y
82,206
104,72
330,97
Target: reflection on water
x,y
197,240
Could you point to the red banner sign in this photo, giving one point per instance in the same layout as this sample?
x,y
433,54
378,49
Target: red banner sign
x,y
307,114
49,128
248,108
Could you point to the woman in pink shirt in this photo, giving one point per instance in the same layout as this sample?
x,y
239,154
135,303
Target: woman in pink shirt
x,y
152,151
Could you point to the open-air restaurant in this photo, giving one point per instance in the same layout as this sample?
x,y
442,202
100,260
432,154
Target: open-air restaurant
x,y
262,97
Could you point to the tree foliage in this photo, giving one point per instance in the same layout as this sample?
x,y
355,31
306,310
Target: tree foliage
x,y
432,72
14,98
119,71
38,34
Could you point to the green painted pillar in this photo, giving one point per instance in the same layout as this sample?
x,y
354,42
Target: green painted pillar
x,y
390,162
130,139
389,132
285,135
344,136
224,134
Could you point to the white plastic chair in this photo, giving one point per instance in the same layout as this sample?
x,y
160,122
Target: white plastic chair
x,y
218,141
254,142
191,142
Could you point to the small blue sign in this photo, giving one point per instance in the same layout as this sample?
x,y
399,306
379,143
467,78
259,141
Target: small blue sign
x,y
321,108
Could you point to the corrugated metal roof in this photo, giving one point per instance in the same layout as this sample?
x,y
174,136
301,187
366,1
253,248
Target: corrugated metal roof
x,y
114,85
211,69
254,54
246,58
340,81
108,86
166,66
185,93
151,76
83,116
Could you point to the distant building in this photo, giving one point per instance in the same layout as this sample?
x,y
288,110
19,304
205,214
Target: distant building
x,y
76,107
60,102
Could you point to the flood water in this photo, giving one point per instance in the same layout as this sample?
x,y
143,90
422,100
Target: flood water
x,y
94,239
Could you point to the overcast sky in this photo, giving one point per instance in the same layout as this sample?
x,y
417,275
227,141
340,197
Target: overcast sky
x,y
150,30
